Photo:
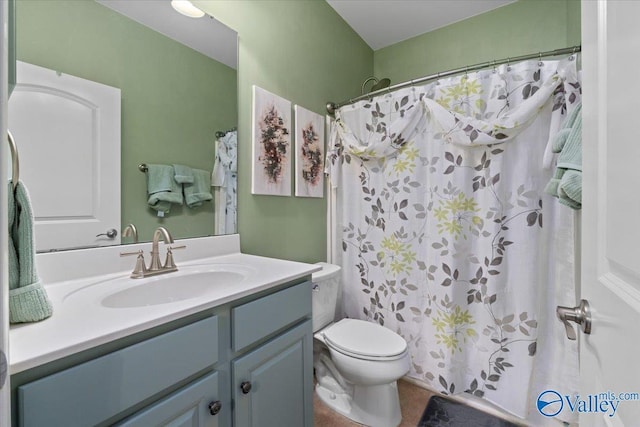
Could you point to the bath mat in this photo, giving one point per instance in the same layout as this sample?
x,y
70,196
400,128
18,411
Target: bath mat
x,y
441,412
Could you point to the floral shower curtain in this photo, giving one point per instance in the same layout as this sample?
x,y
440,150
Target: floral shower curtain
x,y
224,179
447,235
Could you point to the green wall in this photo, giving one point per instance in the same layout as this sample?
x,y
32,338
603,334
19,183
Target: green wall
x,y
301,50
516,29
174,99
304,52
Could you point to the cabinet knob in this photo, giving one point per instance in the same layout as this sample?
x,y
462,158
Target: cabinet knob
x,y
245,387
215,407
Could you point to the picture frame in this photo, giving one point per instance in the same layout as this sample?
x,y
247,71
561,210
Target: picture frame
x,y
310,152
271,144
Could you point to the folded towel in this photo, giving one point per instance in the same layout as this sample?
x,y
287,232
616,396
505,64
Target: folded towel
x,y
566,184
200,191
28,301
183,174
162,188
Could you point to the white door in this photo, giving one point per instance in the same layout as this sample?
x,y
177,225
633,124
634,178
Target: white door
x,y
610,355
67,130
5,396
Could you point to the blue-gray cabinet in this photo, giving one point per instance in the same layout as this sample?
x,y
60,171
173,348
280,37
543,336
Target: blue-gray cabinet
x,y
246,363
196,405
98,390
273,377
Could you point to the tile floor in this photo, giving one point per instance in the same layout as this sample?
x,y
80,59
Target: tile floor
x,y
413,400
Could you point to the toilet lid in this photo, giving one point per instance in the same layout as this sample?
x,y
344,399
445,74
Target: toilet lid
x,y
364,338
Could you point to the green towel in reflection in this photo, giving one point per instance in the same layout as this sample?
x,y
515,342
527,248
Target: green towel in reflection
x,y
566,184
162,188
200,191
183,174
28,301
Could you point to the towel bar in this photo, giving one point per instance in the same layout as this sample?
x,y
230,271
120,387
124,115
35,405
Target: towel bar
x,y
15,162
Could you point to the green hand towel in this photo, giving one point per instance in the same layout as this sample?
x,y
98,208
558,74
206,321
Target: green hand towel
x,y
162,188
183,174
200,191
570,189
570,144
566,183
28,301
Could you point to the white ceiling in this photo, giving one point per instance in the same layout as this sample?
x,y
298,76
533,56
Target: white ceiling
x,y
382,23
206,35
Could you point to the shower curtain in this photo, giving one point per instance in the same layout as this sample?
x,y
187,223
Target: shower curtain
x,y
224,179
448,237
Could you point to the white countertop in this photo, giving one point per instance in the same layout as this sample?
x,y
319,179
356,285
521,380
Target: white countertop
x,y
80,321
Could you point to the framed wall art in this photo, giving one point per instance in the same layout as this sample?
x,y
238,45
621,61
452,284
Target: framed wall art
x,y
309,153
271,165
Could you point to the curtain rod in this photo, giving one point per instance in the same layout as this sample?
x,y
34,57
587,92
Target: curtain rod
x,y
332,107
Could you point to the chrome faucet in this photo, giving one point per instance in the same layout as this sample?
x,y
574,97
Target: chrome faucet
x,y
155,267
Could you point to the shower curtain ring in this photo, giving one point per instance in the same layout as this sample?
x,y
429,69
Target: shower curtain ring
x,y
508,64
494,66
540,63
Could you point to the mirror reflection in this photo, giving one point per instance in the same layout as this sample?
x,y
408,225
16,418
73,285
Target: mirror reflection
x,y
177,85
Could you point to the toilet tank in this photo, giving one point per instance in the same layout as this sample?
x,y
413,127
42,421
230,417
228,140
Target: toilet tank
x,y
326,285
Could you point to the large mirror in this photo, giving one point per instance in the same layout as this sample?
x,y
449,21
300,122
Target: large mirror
x,y
177,82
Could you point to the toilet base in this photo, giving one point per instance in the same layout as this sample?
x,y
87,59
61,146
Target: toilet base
x,y
375,406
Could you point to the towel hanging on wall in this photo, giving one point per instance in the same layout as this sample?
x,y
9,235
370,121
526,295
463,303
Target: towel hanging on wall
x,y
162,188
199,191
28,301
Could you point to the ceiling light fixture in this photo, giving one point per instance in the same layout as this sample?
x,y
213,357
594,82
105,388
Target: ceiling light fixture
x,y
187,8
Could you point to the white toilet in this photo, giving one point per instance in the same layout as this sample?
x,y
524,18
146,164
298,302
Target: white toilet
x,y
357,363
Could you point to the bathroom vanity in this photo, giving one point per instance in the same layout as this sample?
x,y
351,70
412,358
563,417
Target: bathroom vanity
x,y
238,355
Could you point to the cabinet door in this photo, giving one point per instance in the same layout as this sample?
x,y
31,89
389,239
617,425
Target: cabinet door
x,y
273,384
192,406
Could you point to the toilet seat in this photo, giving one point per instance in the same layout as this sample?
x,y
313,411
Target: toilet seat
x,y
364,340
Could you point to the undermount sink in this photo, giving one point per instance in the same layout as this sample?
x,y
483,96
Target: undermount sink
x,y
188,282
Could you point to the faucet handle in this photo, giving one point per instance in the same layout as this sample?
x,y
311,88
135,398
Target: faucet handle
x,y
132,253
140,269
169,263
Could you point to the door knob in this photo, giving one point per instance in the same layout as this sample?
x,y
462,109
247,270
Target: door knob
x,y
111,233
580,315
